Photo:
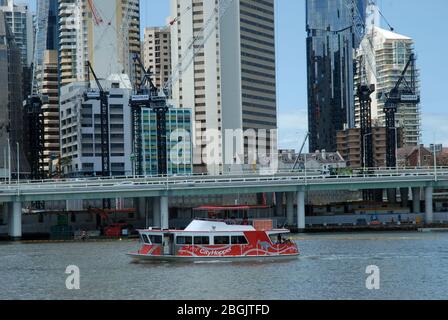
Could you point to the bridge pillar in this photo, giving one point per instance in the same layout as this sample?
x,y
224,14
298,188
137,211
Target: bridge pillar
x,y
164,212
290,208
5,212
279,204
392,195
301,210
156,215
429,212
416,198
404,195
15,220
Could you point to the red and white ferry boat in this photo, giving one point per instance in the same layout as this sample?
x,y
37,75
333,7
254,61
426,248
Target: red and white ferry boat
x,y
206,240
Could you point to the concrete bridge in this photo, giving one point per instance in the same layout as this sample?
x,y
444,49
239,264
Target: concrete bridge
x,y
14,194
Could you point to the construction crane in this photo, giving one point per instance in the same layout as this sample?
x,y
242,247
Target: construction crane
x,y
33,105
96,16
300,152
103,97
404,91
147,95
365,88
196,43
35,135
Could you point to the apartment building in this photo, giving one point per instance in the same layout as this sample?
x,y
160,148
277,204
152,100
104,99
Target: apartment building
x,y
81,152
230,80
349,145
20,21
178,141
47,78
104,32
157,54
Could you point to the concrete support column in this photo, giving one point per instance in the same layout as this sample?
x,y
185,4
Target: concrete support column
x,y
279,204
392,195
164,211
290,208
404,195
148,209
156,222
15,220
429,212
301,210
5,213
416,198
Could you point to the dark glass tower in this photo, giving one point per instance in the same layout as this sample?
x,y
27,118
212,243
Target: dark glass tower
x,y
330,49
47,28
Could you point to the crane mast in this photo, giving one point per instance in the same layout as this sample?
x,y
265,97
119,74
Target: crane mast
x,y
404,91
103,97
147,95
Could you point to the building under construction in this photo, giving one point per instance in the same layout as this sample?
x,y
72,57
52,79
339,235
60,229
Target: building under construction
x,y
392,52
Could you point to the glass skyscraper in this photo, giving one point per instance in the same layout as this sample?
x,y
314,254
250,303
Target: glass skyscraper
x,y
330,50
178,139
47,28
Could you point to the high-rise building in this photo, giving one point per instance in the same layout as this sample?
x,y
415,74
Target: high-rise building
x,y
157,54
349,144
104,32
45,84
231,81
11,102
47,77
178,140
391,52
20,20
331,42
46,28
81,152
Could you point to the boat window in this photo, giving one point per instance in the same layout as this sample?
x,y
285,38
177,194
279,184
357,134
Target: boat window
x,y
239,240
201,240
184,240
222,240
155,239
145,238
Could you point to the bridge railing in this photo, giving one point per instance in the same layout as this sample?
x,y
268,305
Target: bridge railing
x,y
310,174
198,182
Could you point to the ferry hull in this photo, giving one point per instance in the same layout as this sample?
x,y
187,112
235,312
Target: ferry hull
x,y
137,258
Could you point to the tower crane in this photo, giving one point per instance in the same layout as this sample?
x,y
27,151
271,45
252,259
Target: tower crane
x,y
96,16
102,96
147,95
365,88
404,91
34,115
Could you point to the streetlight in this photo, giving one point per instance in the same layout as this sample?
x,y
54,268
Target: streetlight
x,y
435,158
18,164
9,162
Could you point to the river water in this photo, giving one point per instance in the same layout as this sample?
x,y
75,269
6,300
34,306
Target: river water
x,y
332,266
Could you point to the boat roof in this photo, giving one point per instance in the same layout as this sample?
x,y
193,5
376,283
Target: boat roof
x,y
215,226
